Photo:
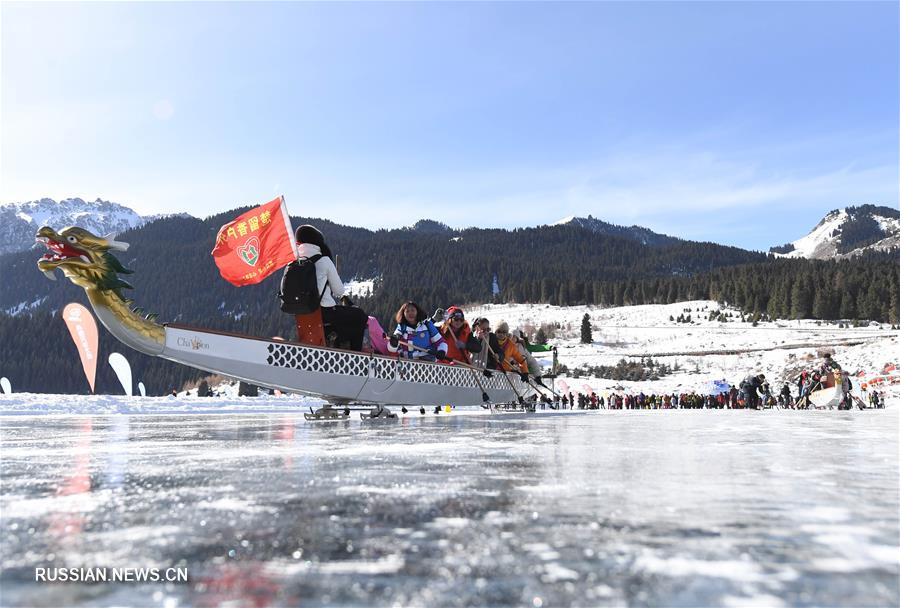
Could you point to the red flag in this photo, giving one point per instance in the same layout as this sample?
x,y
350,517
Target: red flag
x,y
256,244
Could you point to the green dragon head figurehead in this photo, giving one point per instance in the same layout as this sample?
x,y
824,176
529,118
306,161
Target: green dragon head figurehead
x,y
84,258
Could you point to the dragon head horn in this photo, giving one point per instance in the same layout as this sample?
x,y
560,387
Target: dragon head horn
x,y
114,244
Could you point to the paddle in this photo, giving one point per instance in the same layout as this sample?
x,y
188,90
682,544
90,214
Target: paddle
x,y
511,385
537,380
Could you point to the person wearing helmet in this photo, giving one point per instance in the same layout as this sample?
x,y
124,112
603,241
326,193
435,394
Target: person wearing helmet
x,y
461,342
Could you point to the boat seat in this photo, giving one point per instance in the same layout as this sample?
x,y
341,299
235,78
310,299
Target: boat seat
x,y
310,329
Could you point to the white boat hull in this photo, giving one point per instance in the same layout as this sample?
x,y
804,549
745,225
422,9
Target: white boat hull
x,y
336,375
829,397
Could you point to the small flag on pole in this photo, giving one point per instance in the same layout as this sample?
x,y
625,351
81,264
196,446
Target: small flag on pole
x,y
256,244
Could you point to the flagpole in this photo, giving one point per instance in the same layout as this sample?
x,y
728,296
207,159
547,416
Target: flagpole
x,y
289,228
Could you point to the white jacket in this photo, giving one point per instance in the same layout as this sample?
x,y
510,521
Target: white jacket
x,y
325,273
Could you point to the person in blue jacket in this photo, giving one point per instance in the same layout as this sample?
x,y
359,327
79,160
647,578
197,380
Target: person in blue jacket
x,y
416,337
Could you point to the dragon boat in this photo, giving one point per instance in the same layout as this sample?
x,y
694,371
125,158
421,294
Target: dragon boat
x,y
339,377
829,395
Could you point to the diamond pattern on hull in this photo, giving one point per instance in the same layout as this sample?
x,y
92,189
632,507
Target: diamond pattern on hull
x,y
312,359
384,369
430,373
321,360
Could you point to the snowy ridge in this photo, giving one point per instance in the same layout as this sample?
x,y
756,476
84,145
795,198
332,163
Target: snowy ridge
x,y
20,221
829,239
566,220
644,236
822,241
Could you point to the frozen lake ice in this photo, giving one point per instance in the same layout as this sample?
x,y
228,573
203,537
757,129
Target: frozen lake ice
x,y
679,508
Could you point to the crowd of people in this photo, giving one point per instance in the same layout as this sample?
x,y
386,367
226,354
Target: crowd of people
x,y
687,400
754,392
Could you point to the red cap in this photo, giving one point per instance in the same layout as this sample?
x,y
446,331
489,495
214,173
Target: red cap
x,y
455,311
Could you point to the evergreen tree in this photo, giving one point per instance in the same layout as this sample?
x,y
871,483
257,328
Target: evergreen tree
x,y
587,336
848,306
894,308
801,299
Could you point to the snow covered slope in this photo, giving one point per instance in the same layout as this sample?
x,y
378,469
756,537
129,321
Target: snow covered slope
x,y
847,232
704,350
20,221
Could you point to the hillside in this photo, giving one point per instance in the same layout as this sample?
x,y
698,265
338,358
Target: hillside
x,y
848,232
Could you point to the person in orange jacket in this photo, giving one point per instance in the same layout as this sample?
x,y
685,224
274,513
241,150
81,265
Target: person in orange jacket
x,y
513,361
458,336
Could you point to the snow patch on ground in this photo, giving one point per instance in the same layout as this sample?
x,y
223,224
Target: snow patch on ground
x,y
24,306
360,287
704,350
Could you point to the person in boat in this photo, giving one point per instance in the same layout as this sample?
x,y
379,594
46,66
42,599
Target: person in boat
x,y
521,340
461,342
415,336
829,364
490,356
513,361
347,322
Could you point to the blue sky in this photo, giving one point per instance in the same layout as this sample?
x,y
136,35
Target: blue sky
x,y
741,123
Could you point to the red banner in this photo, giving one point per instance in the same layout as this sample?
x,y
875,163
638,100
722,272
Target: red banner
x,y
253,246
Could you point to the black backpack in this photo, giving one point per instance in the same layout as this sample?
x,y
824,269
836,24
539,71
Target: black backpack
x,y
299,292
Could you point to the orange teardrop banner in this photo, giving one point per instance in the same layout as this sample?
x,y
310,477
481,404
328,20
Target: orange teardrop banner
x,y
83,329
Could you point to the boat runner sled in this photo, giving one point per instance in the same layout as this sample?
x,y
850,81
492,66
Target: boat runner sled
x,y
339,377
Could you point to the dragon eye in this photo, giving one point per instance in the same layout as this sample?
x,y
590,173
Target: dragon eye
x,y
71,239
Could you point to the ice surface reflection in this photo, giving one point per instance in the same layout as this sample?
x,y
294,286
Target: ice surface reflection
x,y
640,508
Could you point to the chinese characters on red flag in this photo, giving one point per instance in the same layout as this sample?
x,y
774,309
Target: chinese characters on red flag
x,y
256,244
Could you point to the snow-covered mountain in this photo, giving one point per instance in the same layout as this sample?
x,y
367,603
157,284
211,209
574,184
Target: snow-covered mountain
x,y
20,221
847,232
635,233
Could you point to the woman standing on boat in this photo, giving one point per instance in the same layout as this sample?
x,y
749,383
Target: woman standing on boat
x,y
348,321
421,339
